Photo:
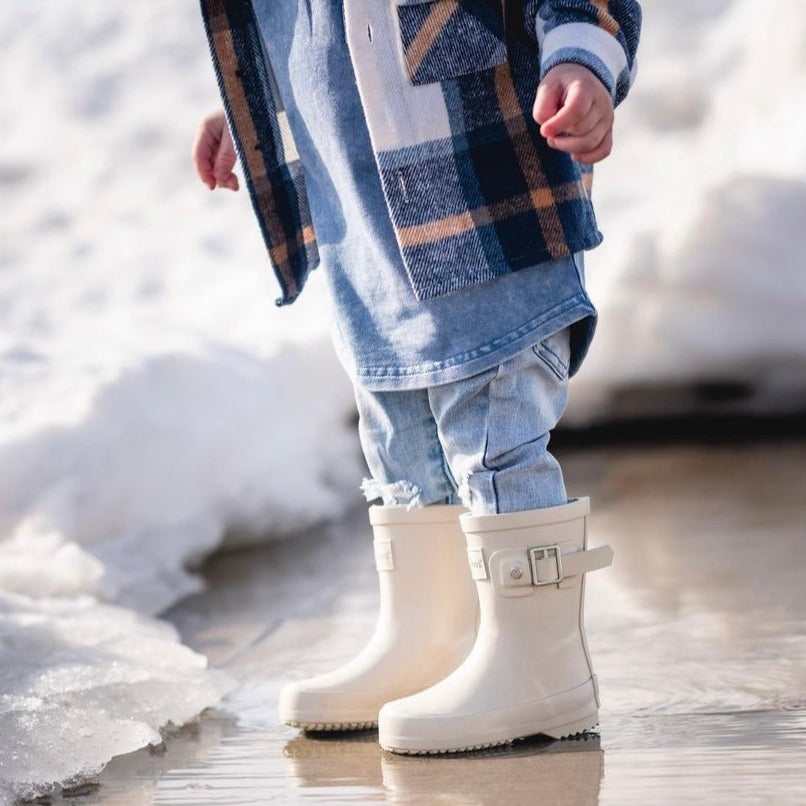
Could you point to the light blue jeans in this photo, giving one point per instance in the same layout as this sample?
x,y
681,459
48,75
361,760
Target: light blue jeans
x,y
481,441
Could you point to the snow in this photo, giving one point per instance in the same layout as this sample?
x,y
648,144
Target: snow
x,y
701,278
155,404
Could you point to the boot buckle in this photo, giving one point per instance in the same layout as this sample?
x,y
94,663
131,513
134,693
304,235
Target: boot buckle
x,y
540,553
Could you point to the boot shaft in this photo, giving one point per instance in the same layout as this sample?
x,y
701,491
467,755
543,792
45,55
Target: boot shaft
x,y
421,561
529,573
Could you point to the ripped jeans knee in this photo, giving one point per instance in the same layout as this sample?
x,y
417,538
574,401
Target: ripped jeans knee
x,y
397,493
401,446
481,440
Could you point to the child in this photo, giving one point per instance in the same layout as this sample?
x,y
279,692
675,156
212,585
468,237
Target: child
x,y
402,144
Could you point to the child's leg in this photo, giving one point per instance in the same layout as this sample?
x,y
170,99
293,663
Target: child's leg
x,y
494,428
529,670
402,449
428,603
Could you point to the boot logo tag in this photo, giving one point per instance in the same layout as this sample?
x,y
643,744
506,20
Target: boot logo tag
x,y
384,559
478,568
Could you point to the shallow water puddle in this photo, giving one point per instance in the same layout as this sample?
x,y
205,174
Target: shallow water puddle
x,y
698,636
754,757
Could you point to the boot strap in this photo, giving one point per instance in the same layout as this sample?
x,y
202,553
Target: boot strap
x,y
536,566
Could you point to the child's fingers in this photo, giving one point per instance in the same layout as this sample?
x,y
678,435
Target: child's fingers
x,y
588,123
580,143
224,159
213,154
203,156
599,153
547,100
230,182
575,107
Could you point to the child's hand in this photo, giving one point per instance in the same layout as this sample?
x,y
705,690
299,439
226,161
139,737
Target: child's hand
x,y
213,153
575,111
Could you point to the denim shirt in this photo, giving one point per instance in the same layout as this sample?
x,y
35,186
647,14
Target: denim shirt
x,y
387,338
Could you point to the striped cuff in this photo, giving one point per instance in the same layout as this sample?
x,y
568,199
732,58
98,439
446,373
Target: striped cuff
x,y
590,46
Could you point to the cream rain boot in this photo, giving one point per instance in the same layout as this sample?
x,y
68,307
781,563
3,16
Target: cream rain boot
x,y
425,629
529,671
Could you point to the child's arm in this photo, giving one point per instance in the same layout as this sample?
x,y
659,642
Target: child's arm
x,y
213,153
587,53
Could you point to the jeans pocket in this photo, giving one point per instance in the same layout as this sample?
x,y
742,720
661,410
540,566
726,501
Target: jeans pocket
x,y
444,39
555,352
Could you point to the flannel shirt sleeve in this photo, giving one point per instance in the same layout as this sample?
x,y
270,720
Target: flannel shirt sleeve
x,y
602,35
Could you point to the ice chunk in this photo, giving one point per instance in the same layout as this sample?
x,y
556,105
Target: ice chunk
x,y
81,682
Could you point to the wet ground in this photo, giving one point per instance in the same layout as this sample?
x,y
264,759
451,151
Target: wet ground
x,y
698,635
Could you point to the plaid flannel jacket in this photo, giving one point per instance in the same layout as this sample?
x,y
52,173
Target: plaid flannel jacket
x,y
447,88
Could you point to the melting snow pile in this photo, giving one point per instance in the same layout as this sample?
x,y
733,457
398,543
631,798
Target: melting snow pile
x,y
153,400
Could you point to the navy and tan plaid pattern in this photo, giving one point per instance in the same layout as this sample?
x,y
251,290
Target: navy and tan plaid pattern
x,y
493,197
275,181
449,38
472,188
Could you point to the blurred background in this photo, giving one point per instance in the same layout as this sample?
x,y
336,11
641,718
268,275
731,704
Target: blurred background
x,y
156,405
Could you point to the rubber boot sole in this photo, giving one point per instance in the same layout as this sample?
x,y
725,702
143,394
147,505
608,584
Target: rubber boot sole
x,y
566,730
313,727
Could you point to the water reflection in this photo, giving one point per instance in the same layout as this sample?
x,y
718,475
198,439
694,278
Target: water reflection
x,y
564,772
334,759
534,770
